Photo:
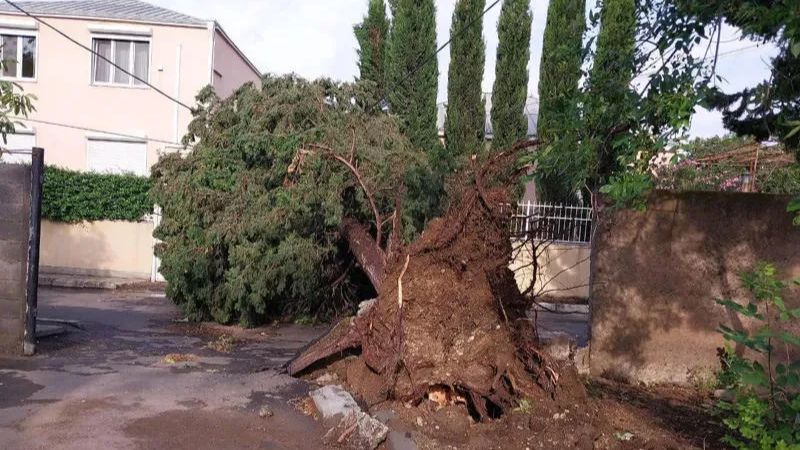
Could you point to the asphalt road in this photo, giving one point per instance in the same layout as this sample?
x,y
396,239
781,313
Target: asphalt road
x,y
111,385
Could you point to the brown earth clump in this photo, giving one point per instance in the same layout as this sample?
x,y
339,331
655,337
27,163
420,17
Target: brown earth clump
x,y
449,321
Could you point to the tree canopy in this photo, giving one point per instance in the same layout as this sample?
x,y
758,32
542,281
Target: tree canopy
x,y
253,217
372,35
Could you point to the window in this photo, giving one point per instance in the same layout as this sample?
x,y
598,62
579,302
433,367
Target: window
x,y
22,139
132,56
18,54
112,156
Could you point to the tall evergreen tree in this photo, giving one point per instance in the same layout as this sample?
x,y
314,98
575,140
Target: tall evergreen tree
x,y
610,99
559,79
510,90
560,70
466,117
413,77
372,35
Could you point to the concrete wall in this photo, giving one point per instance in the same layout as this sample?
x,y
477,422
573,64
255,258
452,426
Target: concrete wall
x,y
655,276
102,248
563,269
15,212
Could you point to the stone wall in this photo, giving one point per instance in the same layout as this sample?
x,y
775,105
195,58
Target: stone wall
x,y
563,269
655,276
15,211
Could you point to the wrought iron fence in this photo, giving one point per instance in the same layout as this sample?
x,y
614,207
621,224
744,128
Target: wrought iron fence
x,y
552,222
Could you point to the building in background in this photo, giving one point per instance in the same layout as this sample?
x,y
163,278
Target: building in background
x,y
92,116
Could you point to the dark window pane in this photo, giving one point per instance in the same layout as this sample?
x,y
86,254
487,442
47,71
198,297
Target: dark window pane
x,y
28,57
9,56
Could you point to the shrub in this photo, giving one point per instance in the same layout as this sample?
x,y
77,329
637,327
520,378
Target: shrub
x,y
71,196
764,412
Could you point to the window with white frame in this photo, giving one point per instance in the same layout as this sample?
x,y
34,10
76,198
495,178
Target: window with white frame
x,y
18,54
131,55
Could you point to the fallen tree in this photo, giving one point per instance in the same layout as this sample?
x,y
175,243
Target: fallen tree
x,y
449,316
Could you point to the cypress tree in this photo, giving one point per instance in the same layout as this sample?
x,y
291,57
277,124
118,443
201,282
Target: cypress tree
x,y
466,117
509,93
559,77
372,35
609,102
560,70
413,77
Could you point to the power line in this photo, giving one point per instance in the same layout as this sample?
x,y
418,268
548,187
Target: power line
x,y
79,44
94,130
432,56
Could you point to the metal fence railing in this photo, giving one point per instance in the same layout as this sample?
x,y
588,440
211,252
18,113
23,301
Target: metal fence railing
x,y
552,222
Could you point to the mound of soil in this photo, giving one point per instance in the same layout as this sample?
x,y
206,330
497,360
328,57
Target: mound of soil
x,y
450,319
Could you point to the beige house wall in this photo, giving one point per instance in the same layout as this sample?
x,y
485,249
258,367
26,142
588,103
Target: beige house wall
x,y
103,248
563,269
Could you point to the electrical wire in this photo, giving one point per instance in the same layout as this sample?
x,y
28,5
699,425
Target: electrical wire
x,y
94,130
79,44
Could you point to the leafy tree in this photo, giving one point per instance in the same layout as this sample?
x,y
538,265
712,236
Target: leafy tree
x,y
559,83
466,117
372,35
259,219
509,93
771,108
412,84
13,102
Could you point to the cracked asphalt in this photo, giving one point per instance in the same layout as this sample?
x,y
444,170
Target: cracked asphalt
x,y
109,385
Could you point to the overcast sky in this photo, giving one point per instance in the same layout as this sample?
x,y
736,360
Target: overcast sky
x,y
314,38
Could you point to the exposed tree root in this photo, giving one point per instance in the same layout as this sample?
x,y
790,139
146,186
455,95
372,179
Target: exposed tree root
x,y
452,317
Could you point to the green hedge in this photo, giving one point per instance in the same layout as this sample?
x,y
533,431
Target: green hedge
x,y
71,196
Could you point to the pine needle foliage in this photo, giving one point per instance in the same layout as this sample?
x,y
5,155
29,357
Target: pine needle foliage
x,y
466,117
251,226
510,90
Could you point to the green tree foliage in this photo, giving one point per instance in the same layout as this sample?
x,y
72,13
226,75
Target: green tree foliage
x,y
510,90
768,109
372,35
559,83
765,388
252,217
610,101
71,196
412,84
560,73
466,116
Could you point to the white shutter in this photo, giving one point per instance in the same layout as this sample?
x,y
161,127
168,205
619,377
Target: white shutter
x,y
107,156
19,141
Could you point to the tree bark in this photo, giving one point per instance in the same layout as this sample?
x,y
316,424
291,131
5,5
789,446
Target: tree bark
x,y
366,250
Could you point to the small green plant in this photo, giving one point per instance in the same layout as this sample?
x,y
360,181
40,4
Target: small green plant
x,y
629,190
524,406
763,408
794,208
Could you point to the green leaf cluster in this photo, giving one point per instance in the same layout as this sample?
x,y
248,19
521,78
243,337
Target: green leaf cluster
x,y
628,190
71,196
765,409
252,217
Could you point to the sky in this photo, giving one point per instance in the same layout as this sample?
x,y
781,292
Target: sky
x,y
314,38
